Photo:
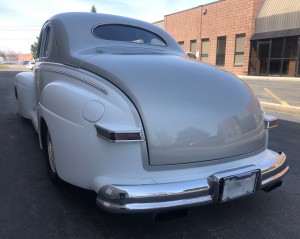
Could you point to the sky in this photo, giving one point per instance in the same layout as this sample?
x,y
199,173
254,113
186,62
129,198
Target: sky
x,y
21,20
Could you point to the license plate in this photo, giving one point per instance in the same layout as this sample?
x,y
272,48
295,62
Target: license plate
x,y
239,185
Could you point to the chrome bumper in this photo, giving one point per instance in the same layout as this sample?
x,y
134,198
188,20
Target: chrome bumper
x,y
168,196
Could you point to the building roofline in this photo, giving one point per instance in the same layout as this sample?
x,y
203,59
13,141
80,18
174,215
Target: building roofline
x,y
215,2
157,21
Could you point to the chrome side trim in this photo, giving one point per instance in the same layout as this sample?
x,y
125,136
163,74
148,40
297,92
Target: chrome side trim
x,y
76,76
167,196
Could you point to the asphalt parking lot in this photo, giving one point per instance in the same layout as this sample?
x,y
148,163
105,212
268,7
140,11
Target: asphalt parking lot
x,y
278,95
32,207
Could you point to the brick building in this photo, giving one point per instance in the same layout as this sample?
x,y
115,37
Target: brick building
x,y
24,58
221,33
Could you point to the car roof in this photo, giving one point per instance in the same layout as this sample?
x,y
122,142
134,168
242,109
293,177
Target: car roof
x,y
74,38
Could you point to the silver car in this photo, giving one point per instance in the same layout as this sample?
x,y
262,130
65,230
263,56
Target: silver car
x,y
120,109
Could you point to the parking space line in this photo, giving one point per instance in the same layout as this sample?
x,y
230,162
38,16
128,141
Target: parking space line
x,y
281,101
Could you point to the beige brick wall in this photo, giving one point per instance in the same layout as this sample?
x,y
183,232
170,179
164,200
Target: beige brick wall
x,y
223,18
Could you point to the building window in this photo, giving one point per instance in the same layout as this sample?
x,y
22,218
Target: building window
x,y
239,50
277,56
193,46
290,47
181,43
221,48
204,50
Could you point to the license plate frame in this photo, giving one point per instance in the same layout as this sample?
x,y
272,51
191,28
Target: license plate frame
x,y
239,185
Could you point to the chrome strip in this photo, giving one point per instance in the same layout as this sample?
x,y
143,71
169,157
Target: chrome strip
x,y
168,205
158,206
278,163
85,80
144,192
274,178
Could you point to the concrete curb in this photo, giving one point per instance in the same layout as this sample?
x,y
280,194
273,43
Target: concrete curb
x,y
293,110
13,68
243,77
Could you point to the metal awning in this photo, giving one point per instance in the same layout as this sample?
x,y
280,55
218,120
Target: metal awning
x,y
276,34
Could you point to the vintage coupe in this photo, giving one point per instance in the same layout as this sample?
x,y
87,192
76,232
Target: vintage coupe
x,y
122,110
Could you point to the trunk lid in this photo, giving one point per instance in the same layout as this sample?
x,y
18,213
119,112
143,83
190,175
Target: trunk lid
x,y
191,112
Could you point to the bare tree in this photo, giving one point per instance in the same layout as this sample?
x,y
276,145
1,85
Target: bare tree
x,y
2,54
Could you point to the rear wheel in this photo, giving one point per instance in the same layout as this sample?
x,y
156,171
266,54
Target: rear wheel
x,y
51,167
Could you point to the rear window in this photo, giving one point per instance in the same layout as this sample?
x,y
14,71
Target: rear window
x,y
126,33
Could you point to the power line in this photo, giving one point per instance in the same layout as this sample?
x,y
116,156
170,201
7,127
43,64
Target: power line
x,y
2,29
20,26
19,29
16,38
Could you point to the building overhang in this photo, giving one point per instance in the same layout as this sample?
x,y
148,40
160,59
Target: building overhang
x,y
276,34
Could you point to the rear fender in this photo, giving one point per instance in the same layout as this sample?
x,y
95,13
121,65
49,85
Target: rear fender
x,y
25,94
70,113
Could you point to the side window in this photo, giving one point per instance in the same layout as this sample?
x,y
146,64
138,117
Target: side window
x,y
45,42
39,45
48,41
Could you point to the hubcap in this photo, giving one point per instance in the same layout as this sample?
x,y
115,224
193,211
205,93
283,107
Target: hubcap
x,y
50,154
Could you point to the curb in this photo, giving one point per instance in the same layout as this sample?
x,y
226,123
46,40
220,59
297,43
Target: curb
x,y
244,77
293,110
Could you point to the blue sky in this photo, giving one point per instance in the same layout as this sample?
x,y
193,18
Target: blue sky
x,y
21,20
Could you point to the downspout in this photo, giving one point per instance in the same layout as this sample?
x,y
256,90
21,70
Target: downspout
x,y
200,49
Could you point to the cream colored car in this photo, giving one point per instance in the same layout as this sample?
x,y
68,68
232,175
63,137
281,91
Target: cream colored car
x,y
120,109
